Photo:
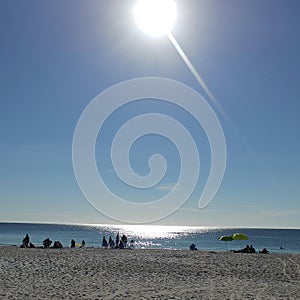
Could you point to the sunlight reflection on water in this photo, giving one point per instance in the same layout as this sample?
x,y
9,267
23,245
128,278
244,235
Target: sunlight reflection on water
x,y
155,231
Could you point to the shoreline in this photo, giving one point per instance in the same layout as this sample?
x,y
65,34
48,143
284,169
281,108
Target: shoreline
x,y
95,273
284,251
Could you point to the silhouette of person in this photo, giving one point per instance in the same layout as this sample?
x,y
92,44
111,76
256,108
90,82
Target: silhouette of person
x,y
104,242
111,242
193,247
47,242
26,241
117,240
124,240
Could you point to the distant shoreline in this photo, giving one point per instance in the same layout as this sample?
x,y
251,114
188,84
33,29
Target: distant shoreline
x,y
166,225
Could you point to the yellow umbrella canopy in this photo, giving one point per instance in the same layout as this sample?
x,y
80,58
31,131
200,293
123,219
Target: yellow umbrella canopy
x,y
225,238
239,237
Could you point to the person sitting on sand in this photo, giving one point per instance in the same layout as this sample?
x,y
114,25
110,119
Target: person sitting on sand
x,y
264,251
193,247
57,245
251,249
47,242
25,243
244,250
31,245
104,243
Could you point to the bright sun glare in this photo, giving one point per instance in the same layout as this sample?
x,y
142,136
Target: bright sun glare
x,y
155,17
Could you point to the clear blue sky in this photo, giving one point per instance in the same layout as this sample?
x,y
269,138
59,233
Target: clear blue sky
x,y
56,56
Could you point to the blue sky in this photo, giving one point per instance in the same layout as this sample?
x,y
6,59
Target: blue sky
x,y
56,56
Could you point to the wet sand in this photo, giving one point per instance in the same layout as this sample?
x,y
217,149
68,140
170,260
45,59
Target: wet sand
x,y
146,274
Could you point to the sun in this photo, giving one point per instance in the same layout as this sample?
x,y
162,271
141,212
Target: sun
x,y
155,17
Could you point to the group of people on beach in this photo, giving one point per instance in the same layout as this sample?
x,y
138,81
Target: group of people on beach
x,y
247,249
251,249
46,243
118,244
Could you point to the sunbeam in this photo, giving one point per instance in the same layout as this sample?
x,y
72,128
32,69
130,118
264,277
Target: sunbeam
x,y
196,75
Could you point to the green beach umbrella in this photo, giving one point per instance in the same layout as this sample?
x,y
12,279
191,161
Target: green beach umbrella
x,y
225,238
239,237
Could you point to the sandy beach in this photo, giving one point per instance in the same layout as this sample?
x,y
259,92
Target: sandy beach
x,y
146,274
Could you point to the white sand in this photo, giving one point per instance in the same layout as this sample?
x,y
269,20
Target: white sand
x,y
146,274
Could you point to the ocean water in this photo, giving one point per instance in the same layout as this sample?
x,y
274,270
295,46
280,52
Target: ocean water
x,y
159,237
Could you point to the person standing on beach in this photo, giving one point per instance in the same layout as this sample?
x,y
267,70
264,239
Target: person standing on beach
x,y
104,243
117,240
124,240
